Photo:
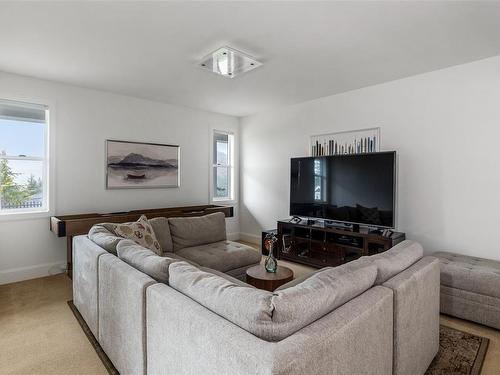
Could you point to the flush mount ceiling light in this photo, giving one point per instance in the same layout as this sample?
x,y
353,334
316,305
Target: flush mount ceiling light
x,y
229,62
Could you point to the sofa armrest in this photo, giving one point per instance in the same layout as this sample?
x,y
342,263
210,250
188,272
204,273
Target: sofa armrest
x,y
356,338
86,280
122,314
416,316
183,337
186,338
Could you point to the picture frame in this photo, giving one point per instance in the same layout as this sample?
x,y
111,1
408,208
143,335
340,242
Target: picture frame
x,y
141,165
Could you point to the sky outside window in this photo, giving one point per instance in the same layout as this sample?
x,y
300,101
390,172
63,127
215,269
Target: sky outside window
x,y
23,138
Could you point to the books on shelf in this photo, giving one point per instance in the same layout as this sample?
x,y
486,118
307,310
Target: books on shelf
x,y
344,143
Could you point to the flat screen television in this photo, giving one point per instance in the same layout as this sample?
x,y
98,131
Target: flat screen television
x,y
357,189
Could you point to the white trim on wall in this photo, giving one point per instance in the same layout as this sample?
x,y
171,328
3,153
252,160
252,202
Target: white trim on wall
x,y
234,163
233,236
31,272
252,238
49,180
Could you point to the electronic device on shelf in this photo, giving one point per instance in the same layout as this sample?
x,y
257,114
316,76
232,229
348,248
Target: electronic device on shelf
x,y
356,189
340,225
349,241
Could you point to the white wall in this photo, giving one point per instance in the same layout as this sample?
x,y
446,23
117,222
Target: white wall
x,y
84,119
445,126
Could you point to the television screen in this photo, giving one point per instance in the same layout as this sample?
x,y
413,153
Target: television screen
x,y
348,188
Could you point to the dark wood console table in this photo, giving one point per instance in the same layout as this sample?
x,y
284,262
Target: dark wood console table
x,y
73,225
319,246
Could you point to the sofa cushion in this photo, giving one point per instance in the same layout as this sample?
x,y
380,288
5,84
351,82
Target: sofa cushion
x,y
103,236
222,256
144,260
318,295
140,232
162,232
395,260
272,316
300,279
200,230
226,276
245,306
446,257
353,265
470,273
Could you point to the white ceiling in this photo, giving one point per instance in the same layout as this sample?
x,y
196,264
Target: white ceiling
x,y
309,49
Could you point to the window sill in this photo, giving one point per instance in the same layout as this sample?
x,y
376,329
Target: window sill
x,y
24,215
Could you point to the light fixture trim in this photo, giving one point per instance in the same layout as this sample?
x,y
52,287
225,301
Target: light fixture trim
x,y
228,62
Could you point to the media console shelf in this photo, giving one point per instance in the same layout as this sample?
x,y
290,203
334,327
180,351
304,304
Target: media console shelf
x,y
319,246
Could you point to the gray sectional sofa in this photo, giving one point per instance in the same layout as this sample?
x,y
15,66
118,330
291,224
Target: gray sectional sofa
x,y
186,313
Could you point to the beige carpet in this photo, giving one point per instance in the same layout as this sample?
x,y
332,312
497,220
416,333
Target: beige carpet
x,y
38,332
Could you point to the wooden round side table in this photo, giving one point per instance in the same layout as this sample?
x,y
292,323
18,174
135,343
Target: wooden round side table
x,y
260,278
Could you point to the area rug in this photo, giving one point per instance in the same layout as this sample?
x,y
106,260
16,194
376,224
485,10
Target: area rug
x,y
460,353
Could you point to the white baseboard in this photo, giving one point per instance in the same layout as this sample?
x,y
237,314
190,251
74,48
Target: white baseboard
x,y
31,272
252,238
233,236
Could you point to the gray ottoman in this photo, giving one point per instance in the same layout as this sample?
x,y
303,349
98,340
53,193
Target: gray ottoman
x,y
470,288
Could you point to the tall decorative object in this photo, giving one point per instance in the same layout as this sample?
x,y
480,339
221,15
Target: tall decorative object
x,y
347,142
271,264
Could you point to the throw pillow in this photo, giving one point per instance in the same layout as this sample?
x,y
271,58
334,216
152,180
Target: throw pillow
x,y
141,232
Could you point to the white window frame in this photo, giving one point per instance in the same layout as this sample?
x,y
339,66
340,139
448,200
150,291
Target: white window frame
x,y
47,208
322,177
230,167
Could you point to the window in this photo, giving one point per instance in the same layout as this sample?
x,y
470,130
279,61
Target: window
x,y
222,166
23,157
319,180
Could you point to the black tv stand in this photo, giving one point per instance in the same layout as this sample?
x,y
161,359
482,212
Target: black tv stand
x,y
321,244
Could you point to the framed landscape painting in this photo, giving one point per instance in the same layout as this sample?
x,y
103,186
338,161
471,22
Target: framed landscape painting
x,y
141,165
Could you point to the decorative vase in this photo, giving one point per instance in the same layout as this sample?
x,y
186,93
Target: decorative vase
x,y
271,264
